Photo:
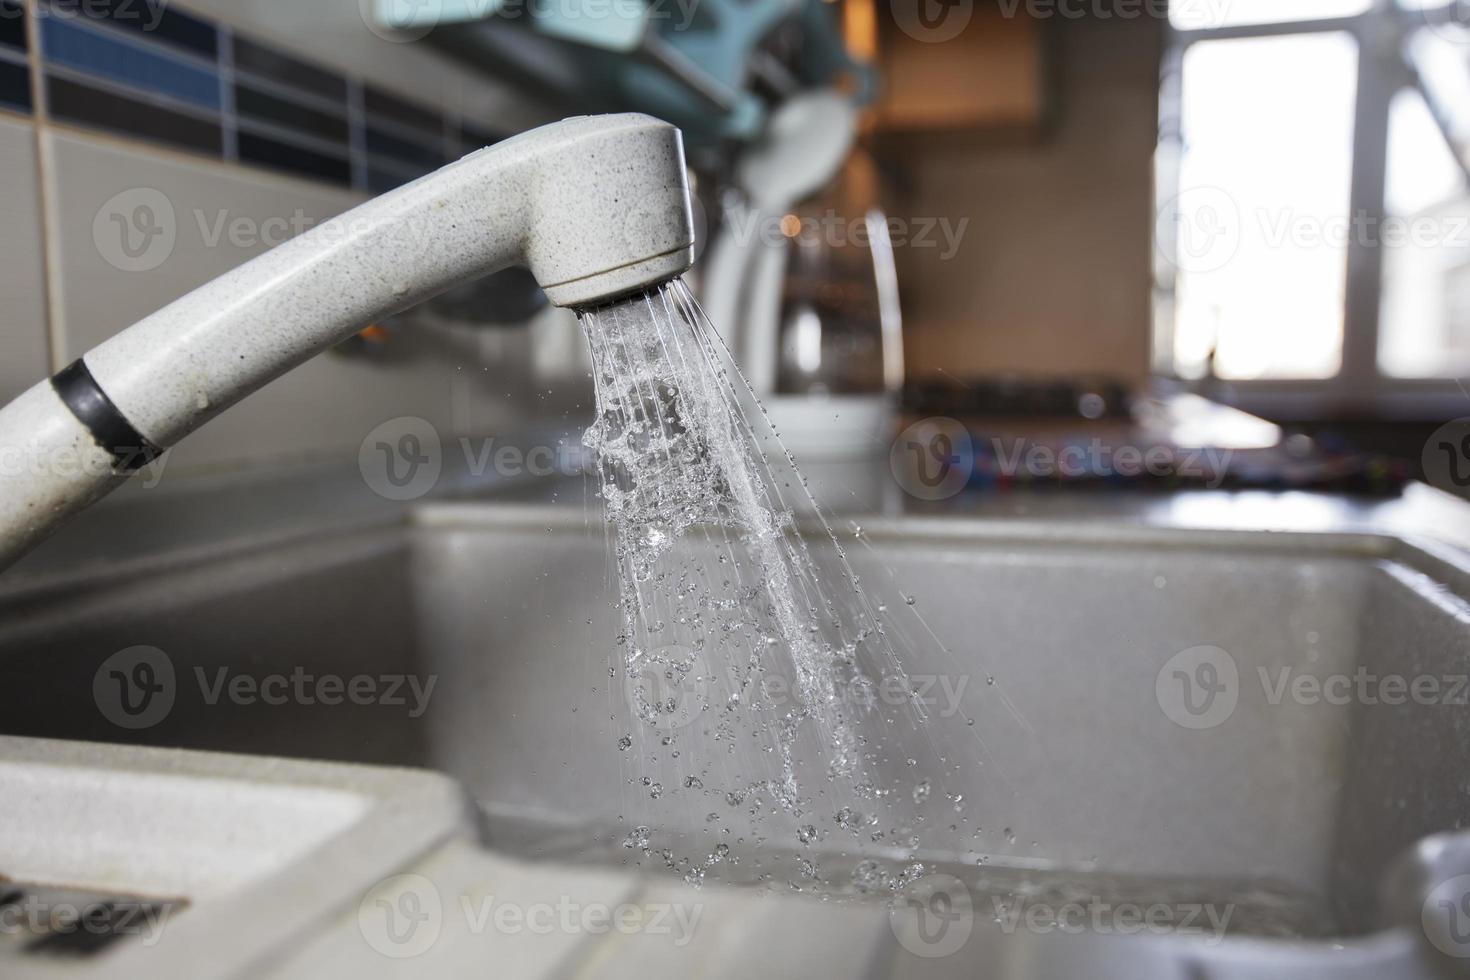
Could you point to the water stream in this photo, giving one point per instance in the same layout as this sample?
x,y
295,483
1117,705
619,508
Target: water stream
x,y
771,735
755,675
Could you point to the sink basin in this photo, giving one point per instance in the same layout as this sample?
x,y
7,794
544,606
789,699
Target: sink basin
x,y
1212,715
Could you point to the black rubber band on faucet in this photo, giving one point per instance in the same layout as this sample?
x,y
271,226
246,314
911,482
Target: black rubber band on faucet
x,y
76,387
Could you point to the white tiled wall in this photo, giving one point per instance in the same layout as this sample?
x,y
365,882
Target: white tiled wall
x,y
23,359
330,402
96,297
324,408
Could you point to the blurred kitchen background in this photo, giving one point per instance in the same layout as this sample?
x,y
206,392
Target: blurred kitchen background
x,y
1218,224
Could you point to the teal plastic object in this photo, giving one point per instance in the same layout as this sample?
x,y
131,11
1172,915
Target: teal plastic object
x,y
686,61
691,65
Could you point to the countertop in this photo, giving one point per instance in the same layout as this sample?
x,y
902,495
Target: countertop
x,y
197,511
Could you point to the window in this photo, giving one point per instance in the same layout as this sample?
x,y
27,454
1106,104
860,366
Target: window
x,y
1313,233
1268,134
1424,328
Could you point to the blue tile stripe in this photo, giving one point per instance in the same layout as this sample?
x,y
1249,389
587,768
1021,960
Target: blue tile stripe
x,y
154,18
77,45
178,79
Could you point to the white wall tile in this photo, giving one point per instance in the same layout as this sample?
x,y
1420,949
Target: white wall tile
x,y
23,356
325,407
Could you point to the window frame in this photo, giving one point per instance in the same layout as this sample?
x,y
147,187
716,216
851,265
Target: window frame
x,y
1359,388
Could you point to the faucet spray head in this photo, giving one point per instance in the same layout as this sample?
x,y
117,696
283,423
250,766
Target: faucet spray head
x,y
611,212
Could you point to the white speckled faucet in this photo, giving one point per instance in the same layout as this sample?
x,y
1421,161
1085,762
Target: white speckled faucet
x,y
595,207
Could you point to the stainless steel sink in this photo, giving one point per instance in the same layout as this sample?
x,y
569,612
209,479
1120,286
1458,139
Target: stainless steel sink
x,y
1098,761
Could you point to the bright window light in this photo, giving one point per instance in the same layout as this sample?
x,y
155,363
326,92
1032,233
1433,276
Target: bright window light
x,y
1261,224
1424,330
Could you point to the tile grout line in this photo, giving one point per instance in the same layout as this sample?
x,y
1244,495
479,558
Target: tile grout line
x,y
189,157
292,136
133,92
224,37
287,92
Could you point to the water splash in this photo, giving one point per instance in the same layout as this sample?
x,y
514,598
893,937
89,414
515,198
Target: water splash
x,y
752,673
757,749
